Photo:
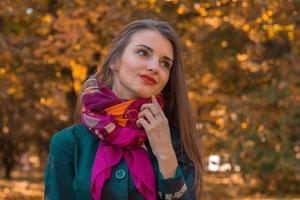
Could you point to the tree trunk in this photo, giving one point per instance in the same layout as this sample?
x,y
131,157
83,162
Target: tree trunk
x,y
8,157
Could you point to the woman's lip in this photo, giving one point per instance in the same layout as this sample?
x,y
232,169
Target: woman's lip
x,y
148,79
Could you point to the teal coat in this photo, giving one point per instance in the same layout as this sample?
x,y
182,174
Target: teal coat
x,y
70,161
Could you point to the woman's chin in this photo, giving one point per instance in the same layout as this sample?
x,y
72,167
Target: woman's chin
x,y
144,95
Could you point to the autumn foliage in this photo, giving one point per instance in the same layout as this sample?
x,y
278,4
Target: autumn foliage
x,y
242,68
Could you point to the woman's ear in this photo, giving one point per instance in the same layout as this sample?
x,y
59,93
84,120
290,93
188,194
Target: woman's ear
x,y
114,65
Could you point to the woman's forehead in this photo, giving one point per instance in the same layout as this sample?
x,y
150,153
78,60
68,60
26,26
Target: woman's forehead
x,y
152,39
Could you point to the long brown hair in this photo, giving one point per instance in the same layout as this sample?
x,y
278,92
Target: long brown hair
x,y
178,109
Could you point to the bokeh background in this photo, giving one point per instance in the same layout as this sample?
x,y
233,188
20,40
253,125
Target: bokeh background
x,y
242,63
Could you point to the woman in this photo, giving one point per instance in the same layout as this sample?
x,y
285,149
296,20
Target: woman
x,y
137,138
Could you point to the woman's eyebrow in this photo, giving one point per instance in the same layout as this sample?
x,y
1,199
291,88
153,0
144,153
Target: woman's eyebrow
x,y
151,50
145,46
166,57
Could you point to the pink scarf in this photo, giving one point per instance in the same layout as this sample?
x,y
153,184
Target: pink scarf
x,y
102,107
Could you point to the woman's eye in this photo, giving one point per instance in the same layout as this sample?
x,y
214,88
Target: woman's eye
x,y
166,64
142,52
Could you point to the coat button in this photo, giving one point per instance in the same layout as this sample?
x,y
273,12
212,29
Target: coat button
x,y
120,174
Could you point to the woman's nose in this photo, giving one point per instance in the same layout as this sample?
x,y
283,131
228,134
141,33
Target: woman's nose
x,y
153,65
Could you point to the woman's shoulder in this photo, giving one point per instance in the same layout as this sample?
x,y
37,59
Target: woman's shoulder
x,y
69,135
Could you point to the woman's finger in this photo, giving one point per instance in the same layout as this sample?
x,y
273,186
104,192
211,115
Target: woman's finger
x,y
142,122
147,114
154,100
155,109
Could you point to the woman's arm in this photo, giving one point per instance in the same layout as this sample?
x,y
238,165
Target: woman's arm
x,y
165,144
181,185
60,167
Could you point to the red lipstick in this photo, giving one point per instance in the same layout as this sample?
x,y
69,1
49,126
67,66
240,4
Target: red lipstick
x,y
148,79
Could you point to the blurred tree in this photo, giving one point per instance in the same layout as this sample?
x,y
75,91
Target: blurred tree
x,y
241,61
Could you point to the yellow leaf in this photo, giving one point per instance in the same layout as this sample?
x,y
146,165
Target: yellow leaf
x,y
290,27
43,101
246,27
5,129
203,12
269,12
11,90
244,4
226,18
181,9
2,71
241,57
265,17
244,125
152,2
258,20
47,19
291,35
218,12
277,27
224,44
79,73
188,43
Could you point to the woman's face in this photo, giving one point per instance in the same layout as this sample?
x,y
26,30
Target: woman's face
x,y
144,67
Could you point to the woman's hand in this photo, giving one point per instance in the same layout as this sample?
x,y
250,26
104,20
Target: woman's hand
x,y
156,125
